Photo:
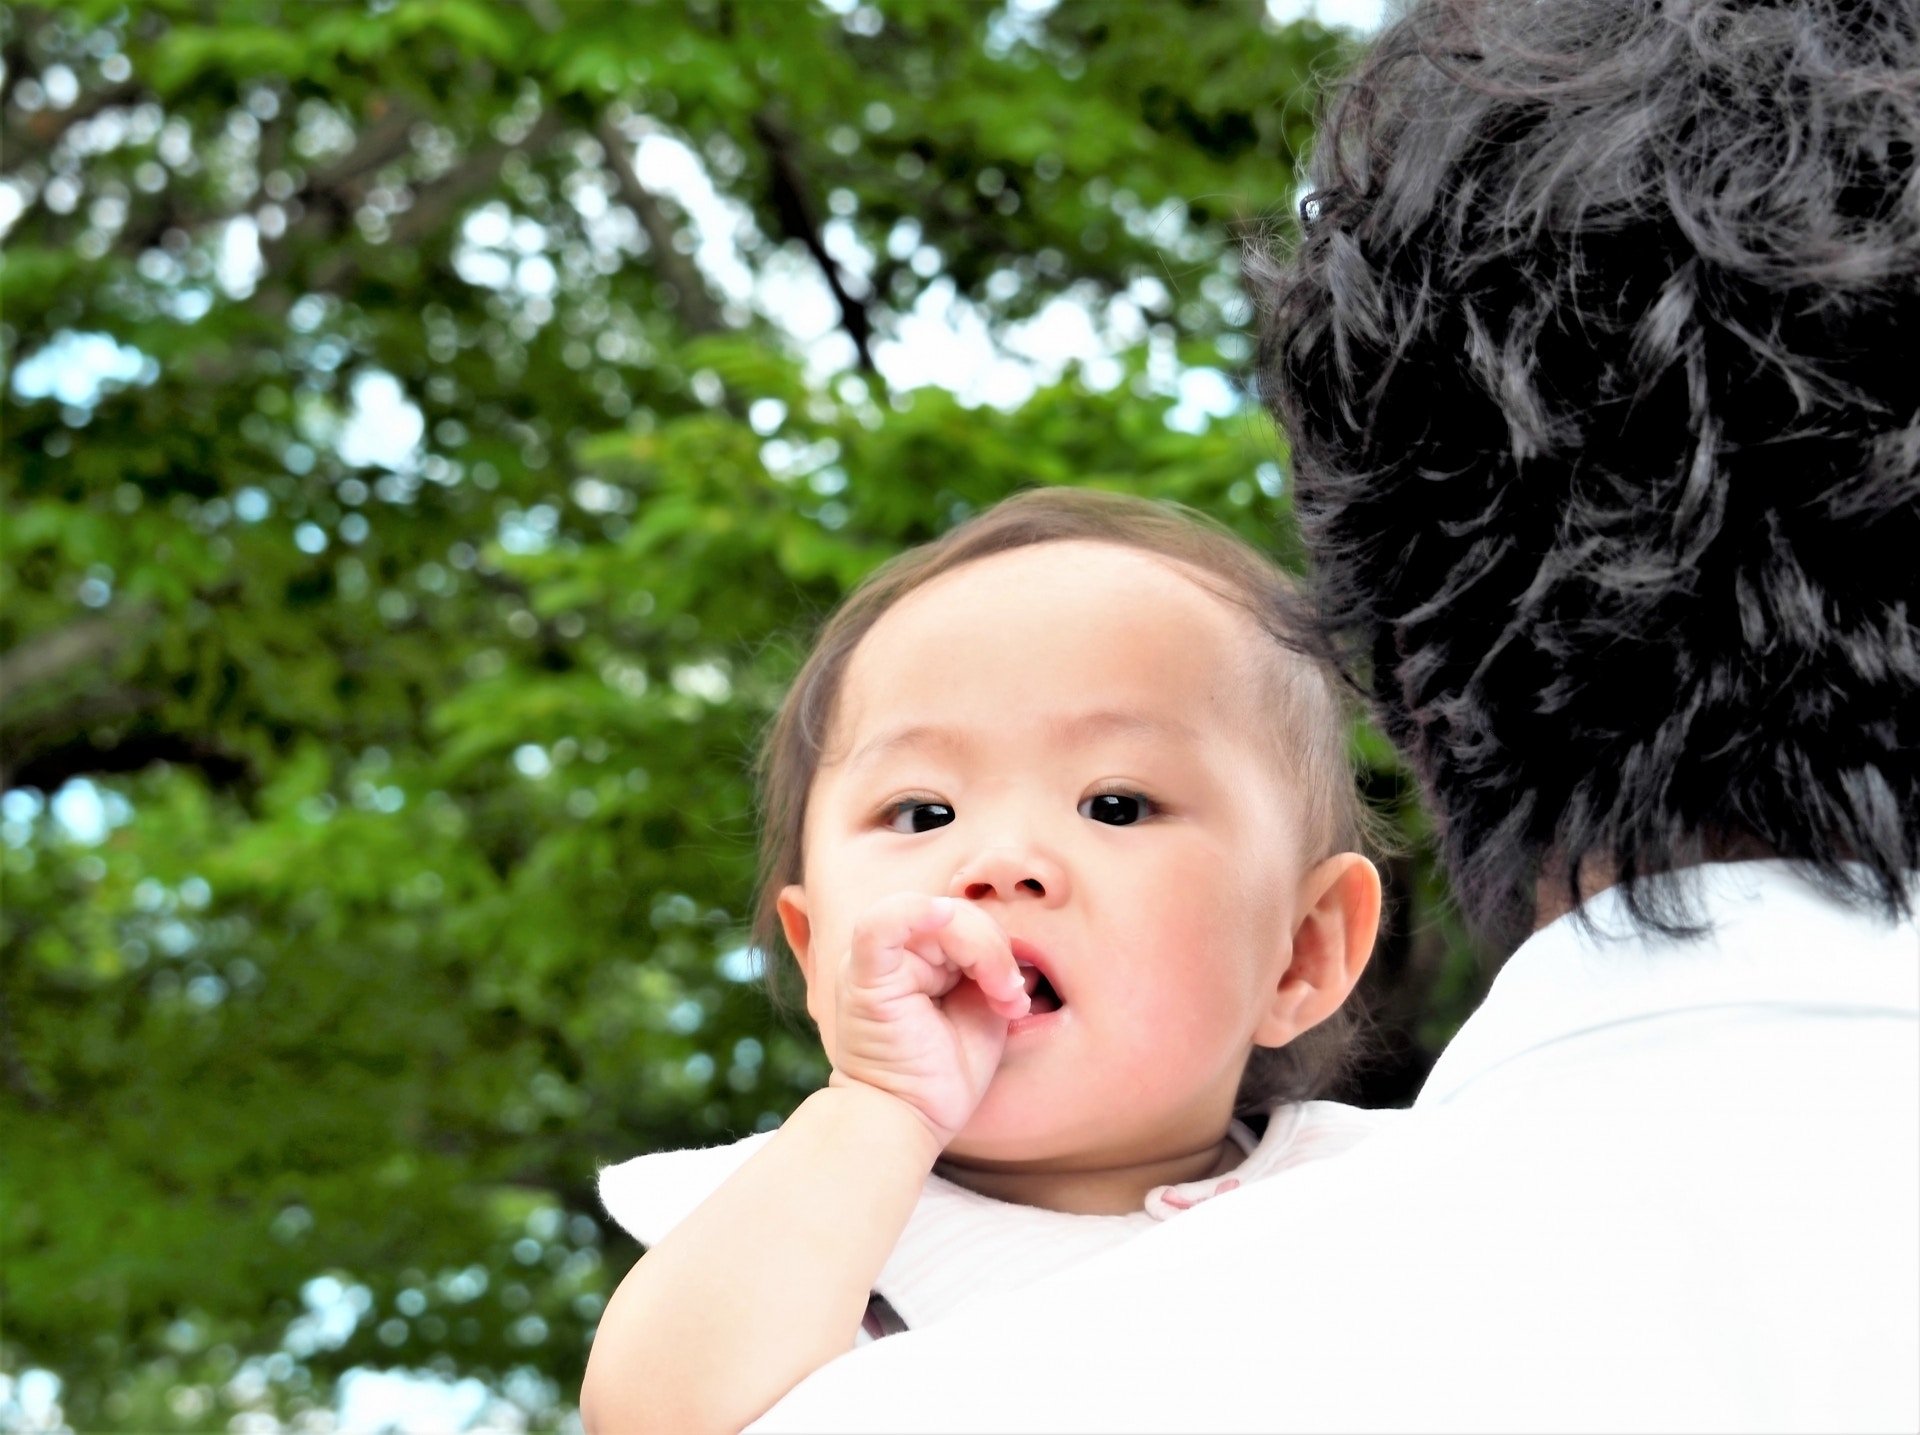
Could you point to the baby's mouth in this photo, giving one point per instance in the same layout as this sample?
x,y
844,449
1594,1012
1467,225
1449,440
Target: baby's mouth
x,y
1041,997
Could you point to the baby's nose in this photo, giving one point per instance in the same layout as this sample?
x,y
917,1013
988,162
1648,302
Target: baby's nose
x,y
975,891
1009,876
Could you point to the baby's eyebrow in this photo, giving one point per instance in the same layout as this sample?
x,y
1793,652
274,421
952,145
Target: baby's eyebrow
x,y
915,736
1124,722
1080,727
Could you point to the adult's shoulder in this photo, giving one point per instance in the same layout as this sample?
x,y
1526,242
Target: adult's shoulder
x,y
1630,1210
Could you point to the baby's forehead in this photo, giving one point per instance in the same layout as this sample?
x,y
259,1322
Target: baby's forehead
x,y
1130,630
1064,579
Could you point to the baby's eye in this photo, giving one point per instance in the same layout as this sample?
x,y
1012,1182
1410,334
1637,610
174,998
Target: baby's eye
x,y
1116,809
918,816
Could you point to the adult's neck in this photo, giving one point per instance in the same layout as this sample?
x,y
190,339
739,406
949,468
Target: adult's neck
x,y
1553,894
1103,1191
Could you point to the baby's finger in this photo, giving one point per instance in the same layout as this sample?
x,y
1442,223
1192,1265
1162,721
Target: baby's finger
x,y
973,942
889,928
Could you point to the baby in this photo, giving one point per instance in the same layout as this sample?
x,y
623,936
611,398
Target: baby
x,y
1059,836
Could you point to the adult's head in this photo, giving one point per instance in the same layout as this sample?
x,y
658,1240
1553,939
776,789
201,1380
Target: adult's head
x,y
1597,359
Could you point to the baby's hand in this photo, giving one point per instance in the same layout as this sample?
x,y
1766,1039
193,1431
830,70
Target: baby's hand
x,y
922,1005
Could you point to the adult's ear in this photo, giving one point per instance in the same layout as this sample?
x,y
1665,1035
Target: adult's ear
x,y
1339,917
798,927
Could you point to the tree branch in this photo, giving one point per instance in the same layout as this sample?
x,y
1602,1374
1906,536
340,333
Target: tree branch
x,y
384,140
327,194
14,54
691,301
434,203
51,655
41,132
52,768
799,219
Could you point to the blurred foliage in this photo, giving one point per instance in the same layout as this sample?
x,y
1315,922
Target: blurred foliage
x,y
417,763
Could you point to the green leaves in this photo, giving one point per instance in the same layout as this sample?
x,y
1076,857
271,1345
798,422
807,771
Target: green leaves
x,y
402,632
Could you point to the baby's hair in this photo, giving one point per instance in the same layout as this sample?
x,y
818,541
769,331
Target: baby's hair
x,y
1309,719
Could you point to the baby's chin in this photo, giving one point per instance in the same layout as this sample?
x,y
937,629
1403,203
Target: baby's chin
x,y
1013,1130
994,1151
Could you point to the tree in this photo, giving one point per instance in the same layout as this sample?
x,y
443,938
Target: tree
x,y
418,488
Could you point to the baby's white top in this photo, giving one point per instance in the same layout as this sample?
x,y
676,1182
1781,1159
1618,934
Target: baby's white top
x,y
958,1245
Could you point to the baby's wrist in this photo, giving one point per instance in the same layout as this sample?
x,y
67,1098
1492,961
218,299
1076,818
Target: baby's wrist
x,y
888,1115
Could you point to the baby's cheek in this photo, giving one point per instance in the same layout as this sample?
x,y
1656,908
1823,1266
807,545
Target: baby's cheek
x,y
1182,1028
1210,1015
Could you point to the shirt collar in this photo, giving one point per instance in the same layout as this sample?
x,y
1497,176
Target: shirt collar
x,y
959,1244
1772,938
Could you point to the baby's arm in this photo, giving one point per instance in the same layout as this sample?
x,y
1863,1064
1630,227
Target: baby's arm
x,y
767,1280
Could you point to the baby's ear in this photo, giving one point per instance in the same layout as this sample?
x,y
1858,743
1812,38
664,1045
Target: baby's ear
x,y
1332,940
798,927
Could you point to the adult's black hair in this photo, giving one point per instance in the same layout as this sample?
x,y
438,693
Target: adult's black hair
x,y
1600,360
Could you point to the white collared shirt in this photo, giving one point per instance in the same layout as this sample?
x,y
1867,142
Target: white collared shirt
x,y
1654,1184
959,1245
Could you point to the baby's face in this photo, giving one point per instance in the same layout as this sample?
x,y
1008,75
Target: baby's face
x,y
1071,736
